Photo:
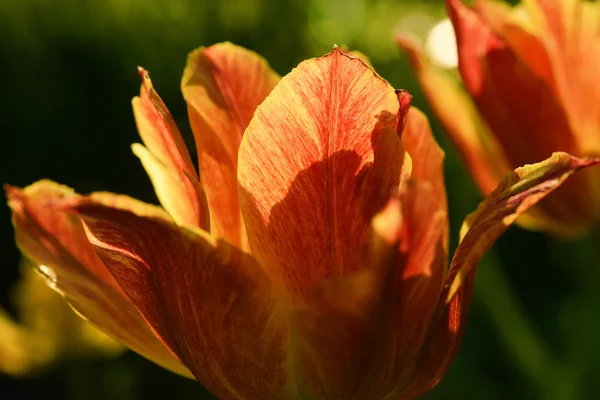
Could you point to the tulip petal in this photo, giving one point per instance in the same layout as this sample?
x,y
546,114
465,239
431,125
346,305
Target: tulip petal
x,y
420,262
558,41
520,29
506,91
567,34
209,301
420,256
427,157
57,246
481,153
357,54
519,191
222,85
172,192
337,336
320,157
441,346
167,160
423,248
404,99
359,334
577,49
527,117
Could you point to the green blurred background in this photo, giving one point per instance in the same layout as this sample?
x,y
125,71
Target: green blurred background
x,y
68,73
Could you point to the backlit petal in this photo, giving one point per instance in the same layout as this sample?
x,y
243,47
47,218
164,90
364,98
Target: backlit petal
x,y
339,336
357,54
458,116
222,85
519,191
526,116
441,346
210,302
419,263
319,159
166,159
565,33
419,267
359,333
422,251
506,91
522,31
57,246
427,157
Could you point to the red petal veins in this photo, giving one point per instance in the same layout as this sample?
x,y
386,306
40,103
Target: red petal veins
x,y
222,85
210,302
319,159
166,159
55,242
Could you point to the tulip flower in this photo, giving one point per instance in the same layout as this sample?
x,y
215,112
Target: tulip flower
x,y
531,77
46,330
307,257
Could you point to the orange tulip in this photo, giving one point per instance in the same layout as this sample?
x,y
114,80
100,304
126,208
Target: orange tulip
x,y
309,258
531,74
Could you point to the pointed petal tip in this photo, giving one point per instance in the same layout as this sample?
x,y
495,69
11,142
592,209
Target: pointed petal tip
x,y
135,146
166,158
336,50
518,192
365,116
405,100
144,78
142,72
404,97
55,240
580,162
45,192
13,195
344,51
11,191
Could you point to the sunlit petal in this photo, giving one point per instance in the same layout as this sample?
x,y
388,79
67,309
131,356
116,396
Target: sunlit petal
x,y
519,191
210,302
222,85
57,246
166,159
482,154
319,159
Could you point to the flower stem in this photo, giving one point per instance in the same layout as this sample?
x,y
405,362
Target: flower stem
x,y
516,331
584,349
